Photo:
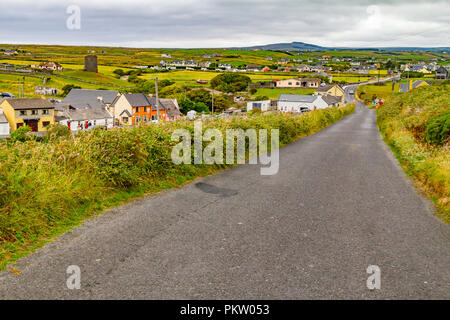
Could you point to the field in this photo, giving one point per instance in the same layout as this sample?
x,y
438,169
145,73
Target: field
x,y
384,91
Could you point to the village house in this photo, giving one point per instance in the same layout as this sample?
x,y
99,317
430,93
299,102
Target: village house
x,y
298,83
134,108
333,101
442,73
46,91
36,113
263,105
330,89
83,119
300,103
50,66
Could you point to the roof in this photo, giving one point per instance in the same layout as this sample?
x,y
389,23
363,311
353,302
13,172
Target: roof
x,y
297,98
153,103
418,83
329,99
86,114
171,107
29,103
327,87
137,99
125,112
87,98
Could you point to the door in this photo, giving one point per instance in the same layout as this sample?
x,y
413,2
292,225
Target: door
x,y
33,124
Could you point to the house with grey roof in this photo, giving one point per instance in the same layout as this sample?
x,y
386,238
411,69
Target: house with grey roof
x,y
442,73
134,108
300,103
89,99
83,119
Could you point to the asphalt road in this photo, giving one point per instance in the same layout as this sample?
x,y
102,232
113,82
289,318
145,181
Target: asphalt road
x,y
339,203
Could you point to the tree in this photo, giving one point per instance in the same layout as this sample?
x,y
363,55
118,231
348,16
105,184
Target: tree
x,y
260,98
222,102
200,95
66,89
187,105
230,82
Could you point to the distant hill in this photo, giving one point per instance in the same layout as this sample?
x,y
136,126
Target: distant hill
x,y
293,46
301,46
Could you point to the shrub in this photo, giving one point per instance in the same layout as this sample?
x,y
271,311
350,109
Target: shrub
x,y
438,129
20,134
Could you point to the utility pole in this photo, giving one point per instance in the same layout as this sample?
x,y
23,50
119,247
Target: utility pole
x,y
157,104
212,103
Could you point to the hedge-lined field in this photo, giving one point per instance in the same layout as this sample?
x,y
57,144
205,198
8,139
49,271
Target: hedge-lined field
x,y
51,186
416,125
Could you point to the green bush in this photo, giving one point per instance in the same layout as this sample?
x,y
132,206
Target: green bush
x,y
20,134
438,129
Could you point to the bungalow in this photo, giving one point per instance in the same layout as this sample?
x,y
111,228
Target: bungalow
x,y
298,83
331,89
50,66
82,119
333,101
300,103
263,105
46,91
442,73
133,108
37,113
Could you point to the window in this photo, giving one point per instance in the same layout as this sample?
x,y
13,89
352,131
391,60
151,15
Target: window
x,y
95,122
45,111
34,112
153,117
46,123
145,109
125,120
137,109
23,112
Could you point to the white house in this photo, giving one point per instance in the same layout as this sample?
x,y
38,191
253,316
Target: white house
x,y
300,103
4,125
82,119
263,105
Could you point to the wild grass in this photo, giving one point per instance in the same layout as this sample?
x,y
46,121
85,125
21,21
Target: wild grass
x,y
46,188
405,122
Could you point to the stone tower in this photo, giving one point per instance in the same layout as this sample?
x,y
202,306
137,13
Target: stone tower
x,y
90,63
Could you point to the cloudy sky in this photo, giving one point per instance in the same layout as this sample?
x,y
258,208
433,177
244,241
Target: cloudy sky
x,y
226,23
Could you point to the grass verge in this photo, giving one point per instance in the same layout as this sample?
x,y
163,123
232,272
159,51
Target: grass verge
x,y
416,127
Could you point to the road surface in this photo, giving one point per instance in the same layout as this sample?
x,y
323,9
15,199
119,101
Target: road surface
x,y
339,204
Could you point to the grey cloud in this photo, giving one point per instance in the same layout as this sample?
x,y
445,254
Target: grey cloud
x,y
213,23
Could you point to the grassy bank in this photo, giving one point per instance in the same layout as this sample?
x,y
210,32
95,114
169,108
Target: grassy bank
x,y
46,188
416,125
